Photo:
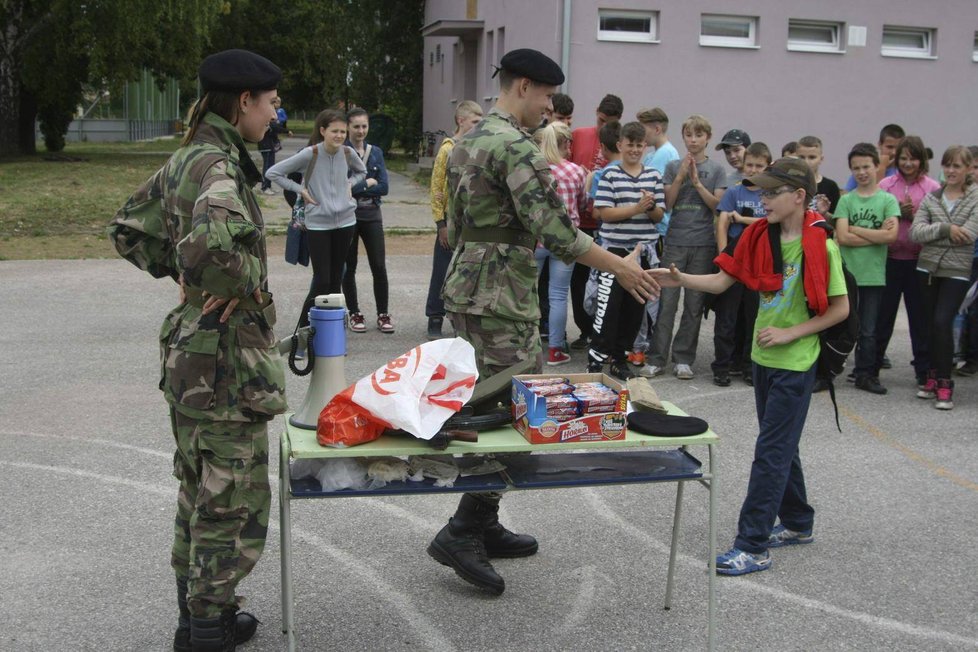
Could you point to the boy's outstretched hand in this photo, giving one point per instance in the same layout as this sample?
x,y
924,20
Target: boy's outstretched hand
x,y
667,278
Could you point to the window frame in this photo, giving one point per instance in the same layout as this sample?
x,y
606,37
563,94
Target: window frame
x,y
749,42
927,52
652,36
798,45
974,50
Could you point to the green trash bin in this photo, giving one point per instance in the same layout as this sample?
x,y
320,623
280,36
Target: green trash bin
x,y
382,131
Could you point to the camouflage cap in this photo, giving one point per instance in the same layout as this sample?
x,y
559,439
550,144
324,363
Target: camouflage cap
x,y
792,172
533,65
238,70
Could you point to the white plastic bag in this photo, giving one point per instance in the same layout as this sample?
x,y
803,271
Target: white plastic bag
x,y
416,392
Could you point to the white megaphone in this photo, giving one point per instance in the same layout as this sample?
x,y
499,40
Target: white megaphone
x,y
328,350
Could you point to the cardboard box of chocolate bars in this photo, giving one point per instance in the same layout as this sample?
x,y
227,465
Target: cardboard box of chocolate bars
x,y
531,419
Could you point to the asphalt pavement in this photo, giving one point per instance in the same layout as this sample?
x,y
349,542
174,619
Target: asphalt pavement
x,y
88,504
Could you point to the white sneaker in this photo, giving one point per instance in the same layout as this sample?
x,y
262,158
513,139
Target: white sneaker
x,y
684,372
650,371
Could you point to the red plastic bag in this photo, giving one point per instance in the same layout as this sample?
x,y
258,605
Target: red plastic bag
x,y
416,392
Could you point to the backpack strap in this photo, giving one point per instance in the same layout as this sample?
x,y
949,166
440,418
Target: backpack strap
x,y
311,166
774,238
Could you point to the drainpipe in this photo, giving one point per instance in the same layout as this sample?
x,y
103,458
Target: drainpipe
x,y
565,47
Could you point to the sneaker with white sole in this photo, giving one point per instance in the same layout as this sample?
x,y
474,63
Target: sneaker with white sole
x,y
740,562
357,323
684,372
649,371
557,357
782,536
384,323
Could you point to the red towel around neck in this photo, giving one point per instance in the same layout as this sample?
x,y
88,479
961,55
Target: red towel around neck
x,y
752,262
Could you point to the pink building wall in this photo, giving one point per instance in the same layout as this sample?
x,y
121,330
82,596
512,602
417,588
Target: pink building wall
x,y
776,95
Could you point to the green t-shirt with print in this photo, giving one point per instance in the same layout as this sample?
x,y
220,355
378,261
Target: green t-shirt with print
x,y
867,264
788,307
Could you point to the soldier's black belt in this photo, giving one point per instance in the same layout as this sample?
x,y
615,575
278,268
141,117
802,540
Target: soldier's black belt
x,y
196,298
498,235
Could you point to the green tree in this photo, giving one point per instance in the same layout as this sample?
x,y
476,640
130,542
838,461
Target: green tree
x,y
50,48
366,53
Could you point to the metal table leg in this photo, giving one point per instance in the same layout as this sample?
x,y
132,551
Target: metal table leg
x,y
676,524
285,535
712,609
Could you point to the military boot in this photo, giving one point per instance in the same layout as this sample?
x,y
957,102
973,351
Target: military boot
x,y
459,545
499,541
245,625
213,634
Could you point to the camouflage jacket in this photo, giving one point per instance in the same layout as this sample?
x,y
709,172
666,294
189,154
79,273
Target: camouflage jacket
x,y
499,178
198,217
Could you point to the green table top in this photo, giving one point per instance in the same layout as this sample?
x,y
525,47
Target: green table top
x,y
303,445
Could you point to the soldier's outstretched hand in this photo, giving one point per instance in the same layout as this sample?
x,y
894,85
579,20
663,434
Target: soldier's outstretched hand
x,y
637,281
640,283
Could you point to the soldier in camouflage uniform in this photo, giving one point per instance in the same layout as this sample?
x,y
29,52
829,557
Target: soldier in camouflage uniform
x,y
197,221
502,201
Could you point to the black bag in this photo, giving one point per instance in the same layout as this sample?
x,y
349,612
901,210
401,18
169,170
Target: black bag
x,y
835,342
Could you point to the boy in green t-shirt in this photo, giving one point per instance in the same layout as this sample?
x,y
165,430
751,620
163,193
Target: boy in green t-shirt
x,y
784,352
866,222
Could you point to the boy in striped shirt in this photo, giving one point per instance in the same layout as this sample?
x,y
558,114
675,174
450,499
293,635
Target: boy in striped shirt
x,y
629,202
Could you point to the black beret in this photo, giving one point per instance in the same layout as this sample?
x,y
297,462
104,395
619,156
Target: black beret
x,y
238,70
533,65
666,425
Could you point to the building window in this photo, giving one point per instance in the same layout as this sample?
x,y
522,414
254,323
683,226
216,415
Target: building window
x,y
814,36
728,31
912,42
974,51
634,26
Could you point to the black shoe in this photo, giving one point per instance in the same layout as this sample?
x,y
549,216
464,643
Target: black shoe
x,y
434,327
500,542
463,549
749,377
620,369
820,385
721,379
594,367
213,634
886,364
245,624
851,378
870,384
969,368
581,343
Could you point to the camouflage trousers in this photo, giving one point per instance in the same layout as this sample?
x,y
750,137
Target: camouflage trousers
x,y
499,343
222,507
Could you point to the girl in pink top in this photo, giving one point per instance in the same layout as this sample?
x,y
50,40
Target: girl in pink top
x,y
909,185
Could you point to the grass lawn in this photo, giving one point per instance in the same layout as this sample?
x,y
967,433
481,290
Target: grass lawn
x,y
57,205
74,192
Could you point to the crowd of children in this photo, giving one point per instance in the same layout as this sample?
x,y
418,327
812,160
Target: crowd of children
x,y
901,234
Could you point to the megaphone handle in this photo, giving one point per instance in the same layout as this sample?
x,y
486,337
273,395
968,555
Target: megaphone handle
x,y
311,355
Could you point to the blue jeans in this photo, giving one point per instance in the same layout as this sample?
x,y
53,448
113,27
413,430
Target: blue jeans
x,y
870,299
557,291
777,483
